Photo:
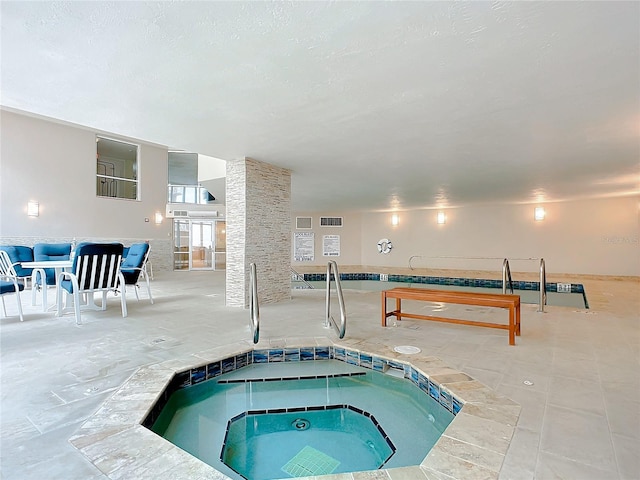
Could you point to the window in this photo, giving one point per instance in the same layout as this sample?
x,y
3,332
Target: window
x,y
116,169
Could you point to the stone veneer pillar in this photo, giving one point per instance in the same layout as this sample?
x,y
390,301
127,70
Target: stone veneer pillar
x,y
258,198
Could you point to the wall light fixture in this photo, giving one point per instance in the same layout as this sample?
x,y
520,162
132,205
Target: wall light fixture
x,y
33,209
158,218
441,218
539,214
395,219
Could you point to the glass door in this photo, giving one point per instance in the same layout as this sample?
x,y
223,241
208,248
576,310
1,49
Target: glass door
x,y
202,244
199,244
220,255
181,244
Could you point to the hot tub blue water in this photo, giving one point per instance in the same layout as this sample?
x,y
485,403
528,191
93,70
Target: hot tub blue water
x,y
305,442
198,418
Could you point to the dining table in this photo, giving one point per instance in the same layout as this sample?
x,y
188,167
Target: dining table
x,y
57,265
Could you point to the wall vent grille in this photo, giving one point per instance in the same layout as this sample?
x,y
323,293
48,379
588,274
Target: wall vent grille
x,y
303,223
330,221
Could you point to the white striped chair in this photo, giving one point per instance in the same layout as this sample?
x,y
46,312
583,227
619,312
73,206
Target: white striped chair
x,y
9,284
96,269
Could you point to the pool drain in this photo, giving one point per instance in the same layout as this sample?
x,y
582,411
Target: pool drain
x,y
301,424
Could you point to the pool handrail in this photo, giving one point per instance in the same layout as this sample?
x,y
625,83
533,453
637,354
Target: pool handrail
x,y
329,320
254,307
506,277
543,287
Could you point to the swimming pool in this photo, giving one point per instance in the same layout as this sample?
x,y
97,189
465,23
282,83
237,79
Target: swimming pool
x,y
243,423
563,295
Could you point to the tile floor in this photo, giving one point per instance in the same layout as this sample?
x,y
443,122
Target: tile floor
x,y
580,418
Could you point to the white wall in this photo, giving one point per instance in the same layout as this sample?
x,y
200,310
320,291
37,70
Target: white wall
x,y
592,237
55,164
350,238
597,237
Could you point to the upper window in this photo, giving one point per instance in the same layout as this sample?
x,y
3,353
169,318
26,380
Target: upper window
x,y
117,169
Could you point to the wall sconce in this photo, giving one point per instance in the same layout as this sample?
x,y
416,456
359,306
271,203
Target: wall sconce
x,y
158,218
538,214
33,209
441,218
395,219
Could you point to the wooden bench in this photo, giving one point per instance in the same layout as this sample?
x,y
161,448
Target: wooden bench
x,y
511,302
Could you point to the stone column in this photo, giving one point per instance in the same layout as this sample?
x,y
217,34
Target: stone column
x,y
258,198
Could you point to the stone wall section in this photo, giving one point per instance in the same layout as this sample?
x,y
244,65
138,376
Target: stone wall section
x,y
258,199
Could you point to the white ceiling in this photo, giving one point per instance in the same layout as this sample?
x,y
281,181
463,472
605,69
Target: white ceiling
x,y
372,105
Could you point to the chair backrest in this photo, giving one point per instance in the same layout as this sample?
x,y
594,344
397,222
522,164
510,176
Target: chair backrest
x,y
134,262
17,254
51,251
6,267
96,265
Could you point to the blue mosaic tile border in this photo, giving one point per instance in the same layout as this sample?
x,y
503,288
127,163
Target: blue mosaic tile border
x,y
302,377
454,281
212,370
311,409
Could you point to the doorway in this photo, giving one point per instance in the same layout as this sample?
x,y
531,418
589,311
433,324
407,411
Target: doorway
x,y
199,244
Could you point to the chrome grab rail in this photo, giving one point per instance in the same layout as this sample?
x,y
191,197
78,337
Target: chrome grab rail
x,y
300,278
254,308
455,257
329,321
543,287
506,277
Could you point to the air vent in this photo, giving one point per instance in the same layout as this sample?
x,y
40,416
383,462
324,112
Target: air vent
x,y
180,213
303,223
330,221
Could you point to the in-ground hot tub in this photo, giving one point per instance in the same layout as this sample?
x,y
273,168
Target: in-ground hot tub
x,y
313,410
117,443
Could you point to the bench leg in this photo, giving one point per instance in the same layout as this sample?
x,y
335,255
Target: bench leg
x,y
518,321
384,308
512,326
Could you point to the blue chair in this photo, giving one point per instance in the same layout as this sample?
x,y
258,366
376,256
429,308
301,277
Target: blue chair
x,y
9,284
134,267
17,255
96,269
50,251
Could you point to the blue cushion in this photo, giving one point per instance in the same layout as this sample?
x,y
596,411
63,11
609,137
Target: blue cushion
x,y
134,260
17,254
51,251
90,249
7,287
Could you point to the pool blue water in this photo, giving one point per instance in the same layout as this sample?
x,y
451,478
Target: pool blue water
x,y
315,442
574,300
196,418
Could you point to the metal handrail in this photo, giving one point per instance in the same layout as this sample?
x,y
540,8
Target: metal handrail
x,y
254,307
329,321
300,278
455,257
506,277
543,287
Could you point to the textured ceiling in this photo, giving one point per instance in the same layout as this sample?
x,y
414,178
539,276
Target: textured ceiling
x,y
372,105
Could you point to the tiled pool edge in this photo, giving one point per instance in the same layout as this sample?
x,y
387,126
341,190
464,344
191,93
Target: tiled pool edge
x,y
451,281
474,444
